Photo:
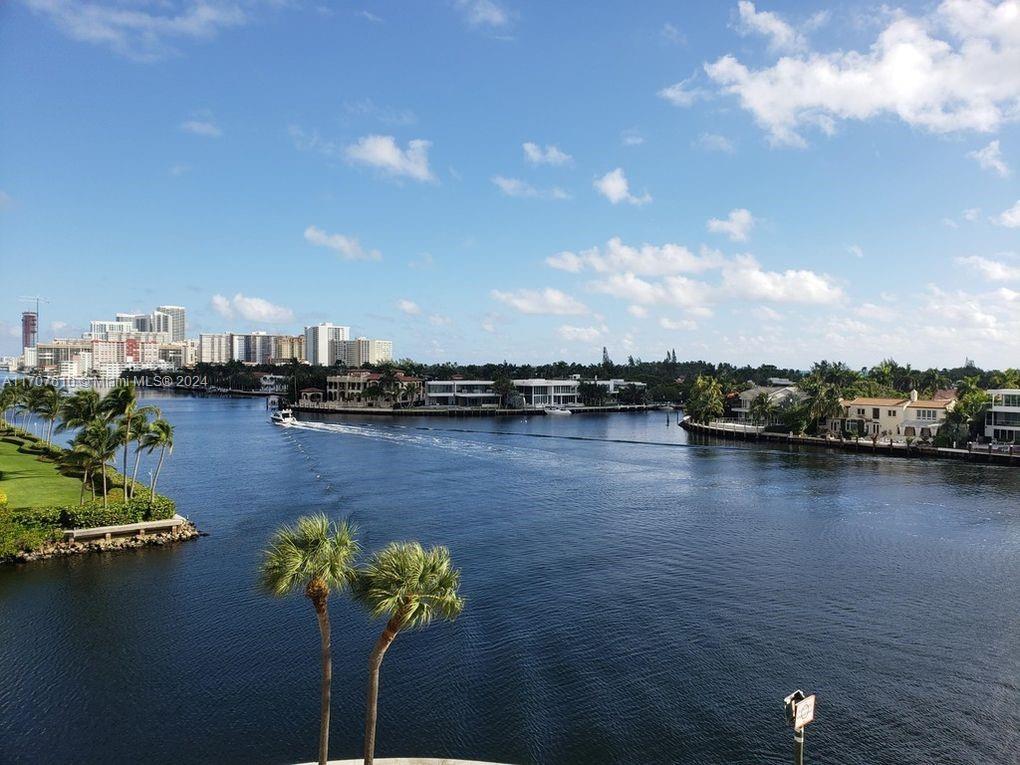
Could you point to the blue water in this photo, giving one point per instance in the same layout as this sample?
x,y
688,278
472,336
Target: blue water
x,y
631,598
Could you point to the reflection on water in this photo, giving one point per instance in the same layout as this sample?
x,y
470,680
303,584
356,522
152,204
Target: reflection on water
x,y
632,597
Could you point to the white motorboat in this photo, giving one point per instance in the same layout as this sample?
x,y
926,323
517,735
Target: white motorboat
x,y
284,417
557,410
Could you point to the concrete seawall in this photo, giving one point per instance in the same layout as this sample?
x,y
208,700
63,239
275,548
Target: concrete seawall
x,y
436,411
864,446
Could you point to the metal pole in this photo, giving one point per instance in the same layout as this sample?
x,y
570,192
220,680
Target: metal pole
x,y
798,747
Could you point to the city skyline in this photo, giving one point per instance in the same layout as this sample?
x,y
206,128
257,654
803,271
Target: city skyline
x,y
671,178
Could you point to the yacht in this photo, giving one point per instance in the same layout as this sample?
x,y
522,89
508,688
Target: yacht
x,y
284,417
557,410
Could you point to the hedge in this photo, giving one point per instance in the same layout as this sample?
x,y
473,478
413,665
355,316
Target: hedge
x,y
92,513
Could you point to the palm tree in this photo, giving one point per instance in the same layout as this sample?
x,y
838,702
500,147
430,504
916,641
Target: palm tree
x,y
81,460
412,586
158,435
826,403
143,428
8,397
706,400
79,409
762,408
99,442
317,556
49,405
122,402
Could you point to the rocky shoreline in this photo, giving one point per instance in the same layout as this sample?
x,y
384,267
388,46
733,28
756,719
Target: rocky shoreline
x,y
183,533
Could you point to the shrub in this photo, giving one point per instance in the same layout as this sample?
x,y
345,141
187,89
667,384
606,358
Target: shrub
x,y
138,508
3,500
36,517
13,440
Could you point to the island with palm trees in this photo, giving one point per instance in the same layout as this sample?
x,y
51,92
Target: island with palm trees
x,y
52,496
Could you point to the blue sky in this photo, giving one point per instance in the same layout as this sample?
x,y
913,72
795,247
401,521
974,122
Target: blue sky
x,y
480,180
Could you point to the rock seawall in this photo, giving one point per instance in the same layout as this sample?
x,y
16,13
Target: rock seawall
x,y
186,531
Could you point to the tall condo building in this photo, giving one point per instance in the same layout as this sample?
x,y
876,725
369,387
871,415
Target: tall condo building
x,y
178,321
29,329
215,348
321,343
360,351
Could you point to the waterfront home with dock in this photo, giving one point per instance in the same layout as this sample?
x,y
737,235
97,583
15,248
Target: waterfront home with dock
x,y
1002,420
364,387
910,417
778,396
533,393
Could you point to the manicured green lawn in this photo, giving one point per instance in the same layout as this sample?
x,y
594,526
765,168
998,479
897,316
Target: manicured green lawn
x,y
29,482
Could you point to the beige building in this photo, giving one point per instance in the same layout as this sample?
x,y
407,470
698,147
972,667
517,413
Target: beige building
x,y
897,418
348,389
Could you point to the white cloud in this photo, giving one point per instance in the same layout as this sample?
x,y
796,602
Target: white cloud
x,y
1010,218
382,152
765,313
993,270
737,225
515,187
648,259
483,13
671,34
670,290
677,324
631,137
550,155
990,158
438,320
579,334
205,128
140,31
744,278
682,93
950,223
782,37
346,247
57,326
955,69
615,187
409,307
253,309
855,250
369,16
638,311
715,142
544,301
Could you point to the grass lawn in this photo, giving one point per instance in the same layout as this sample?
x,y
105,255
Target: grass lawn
x,y
29,482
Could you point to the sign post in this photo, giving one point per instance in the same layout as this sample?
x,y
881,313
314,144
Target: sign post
x,y
800,710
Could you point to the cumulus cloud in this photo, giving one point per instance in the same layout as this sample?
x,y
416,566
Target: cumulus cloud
x,y
955,69
515,187
253,309
993,270
638,311
483,13
206,128
550,155
737,225
781,36
544,301
346,247
1010,218
615,187
409,307
579,334
140,31
631,137
855,250
383,152
744,278
648,259
670,290
990,158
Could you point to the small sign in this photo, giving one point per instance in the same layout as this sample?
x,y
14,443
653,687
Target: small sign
x,y
804,712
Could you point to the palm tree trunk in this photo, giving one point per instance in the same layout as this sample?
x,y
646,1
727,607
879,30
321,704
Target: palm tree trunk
x,y
127,440
374,664
155,476
104,486
134,473
322,612
81,494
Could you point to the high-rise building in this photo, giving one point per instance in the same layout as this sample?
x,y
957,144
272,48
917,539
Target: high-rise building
x,y
320,343
178,321
29,329
361,350
214,348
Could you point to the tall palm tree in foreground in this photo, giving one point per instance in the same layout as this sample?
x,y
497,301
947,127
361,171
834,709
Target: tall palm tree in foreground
x,y
412,586
49,406
98,442
122,402
315,555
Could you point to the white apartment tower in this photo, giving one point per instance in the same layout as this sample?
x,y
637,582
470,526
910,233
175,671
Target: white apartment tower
x,y
214,348
178,321
321,343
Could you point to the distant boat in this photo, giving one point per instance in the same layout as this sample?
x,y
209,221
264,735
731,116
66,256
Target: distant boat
x,y
557,410
283,417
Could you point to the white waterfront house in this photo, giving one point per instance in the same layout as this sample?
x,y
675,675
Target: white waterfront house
x,y
1002,419
481,393
778,395
910,417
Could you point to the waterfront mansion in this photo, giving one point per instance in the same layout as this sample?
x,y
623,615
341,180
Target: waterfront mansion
x,y
899,418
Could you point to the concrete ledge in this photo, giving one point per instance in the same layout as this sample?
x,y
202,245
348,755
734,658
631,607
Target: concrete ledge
x,y
123,530
409,761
